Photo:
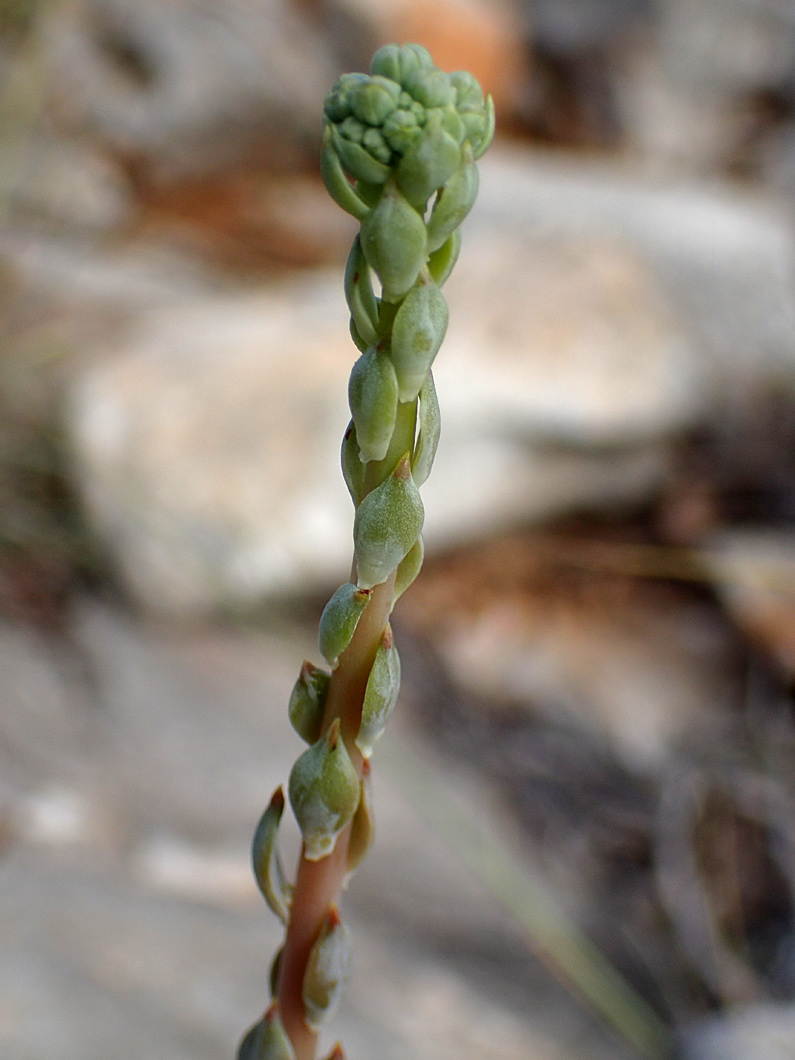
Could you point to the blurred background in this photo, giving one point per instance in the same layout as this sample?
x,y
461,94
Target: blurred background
x,y
586,840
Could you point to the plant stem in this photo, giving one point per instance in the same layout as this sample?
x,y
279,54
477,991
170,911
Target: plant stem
x,y
318,883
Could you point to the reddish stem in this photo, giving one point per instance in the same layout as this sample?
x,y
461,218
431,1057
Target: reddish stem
x,y
319,883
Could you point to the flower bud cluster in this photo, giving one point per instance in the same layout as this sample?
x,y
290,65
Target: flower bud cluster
x,y
399,152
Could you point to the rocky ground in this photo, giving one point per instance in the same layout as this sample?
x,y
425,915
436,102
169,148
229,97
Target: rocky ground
x,y
596,741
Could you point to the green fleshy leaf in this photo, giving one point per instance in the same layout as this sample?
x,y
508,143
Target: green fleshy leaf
x,y
454,201
394,242
442,262
353,470
381,694
337,184
327,971
359,295
408,569
417,333
307,702
268,870
373,400
324,793
387,523
339,620
430,421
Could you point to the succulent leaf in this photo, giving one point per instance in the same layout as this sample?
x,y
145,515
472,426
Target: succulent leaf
x,y
267,1039
408,569
454,201
387,523
359,295
430,429
362,826
353,470
373,400
337,184
268,870
428,163
381,694
327,970
442,261
394,242
307,702
324,792
417,333
339,620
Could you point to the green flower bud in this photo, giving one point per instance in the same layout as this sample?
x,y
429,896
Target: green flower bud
x,y
387,523
373,400
352,129
454,201
324,792
362,826
339,621
307,702
442,262
268,870
430,429
408,569
327,971
373,100
337,105
451,123
428,163
359,295
394,242
417,333
353,470
401,130
356,160
430,86
267,1039
468,93
337,184
398,62
381,694
376,145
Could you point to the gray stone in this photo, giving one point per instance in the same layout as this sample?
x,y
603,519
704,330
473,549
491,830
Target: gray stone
x,y
764,1032
131,924
186,90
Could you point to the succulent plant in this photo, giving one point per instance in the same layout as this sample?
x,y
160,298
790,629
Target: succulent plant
x,y
399,152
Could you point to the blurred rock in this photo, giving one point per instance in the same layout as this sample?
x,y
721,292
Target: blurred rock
x,y
593,318
754,572
177,89
146,937
540,624
764,1032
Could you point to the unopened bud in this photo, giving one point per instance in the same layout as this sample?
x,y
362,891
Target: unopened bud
x,y
307,701
398,62
267,1039
324,792
362,826
417,334
454,201
381,693
387,523
327,971
373,400
268,870
430,421
428,163
356,159
353,470
339,620
394,242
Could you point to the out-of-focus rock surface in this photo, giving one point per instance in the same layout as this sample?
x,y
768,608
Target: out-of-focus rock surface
x,y
135,764
594,318
766,1032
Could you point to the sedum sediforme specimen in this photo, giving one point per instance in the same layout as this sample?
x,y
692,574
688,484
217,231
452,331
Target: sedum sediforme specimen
x,y
399,152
